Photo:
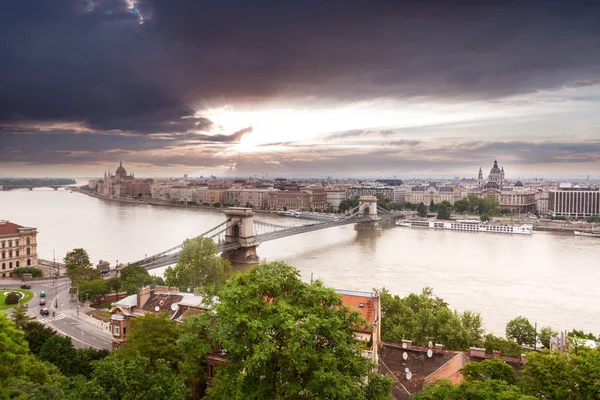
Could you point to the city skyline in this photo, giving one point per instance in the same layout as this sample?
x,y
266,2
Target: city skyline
x,y
337,88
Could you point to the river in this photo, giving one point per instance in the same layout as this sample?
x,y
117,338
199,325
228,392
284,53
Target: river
x,y
551,278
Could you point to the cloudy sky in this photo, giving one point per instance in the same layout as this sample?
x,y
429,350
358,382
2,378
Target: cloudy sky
x,y
299,87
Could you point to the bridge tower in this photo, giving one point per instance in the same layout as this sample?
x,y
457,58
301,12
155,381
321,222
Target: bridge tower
x,y
240,229
367,207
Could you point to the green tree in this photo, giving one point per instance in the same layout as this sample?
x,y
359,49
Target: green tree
x,y
521,331
484,217
134,277
552,375
78,258
114,284
59,351
12,298
443,212
432,206
199,265
422,210
83,363
92,289
19,316
118,379
488,205
349,204
494,369
508,348
289,339
424,317
36,335
384,202
79,275
473,200
461,206
581,335
154,337
547,333
35,272
471,390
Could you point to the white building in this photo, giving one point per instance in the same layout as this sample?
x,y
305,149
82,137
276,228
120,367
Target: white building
x,y
18,247
335,198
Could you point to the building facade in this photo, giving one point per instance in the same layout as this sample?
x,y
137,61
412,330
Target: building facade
x,y
18,247
427,193
573,201
335,197
122,185
386,191
289,200
496,178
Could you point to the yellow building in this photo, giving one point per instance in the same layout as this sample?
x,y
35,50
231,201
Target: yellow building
x,y
18,247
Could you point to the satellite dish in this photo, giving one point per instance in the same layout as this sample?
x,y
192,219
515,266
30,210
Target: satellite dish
x,y
429,353
409,375
403,345
405,355
430,345
174,307
157,308
406,369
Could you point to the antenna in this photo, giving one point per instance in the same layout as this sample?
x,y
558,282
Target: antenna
x,y
405,356
174,306
409,375
429,353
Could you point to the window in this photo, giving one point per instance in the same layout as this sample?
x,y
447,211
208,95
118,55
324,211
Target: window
x,y
17,253
10,265
10,254
124,331
116,330
3,254
17,243
28,251
211,371
17,264
28,241
3,244
28,262
3,265
10,243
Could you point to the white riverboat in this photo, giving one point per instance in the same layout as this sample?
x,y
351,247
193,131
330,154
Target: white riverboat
x,y
588,233
469,225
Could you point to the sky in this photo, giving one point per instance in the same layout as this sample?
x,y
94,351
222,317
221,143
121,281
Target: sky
x,y
341,88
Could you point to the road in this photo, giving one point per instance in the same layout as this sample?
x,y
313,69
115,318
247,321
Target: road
x,y
65,321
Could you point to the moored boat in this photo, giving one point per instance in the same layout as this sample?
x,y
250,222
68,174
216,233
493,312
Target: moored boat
x,y
469,225
588,233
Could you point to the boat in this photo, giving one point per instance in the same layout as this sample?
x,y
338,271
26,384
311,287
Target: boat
x,y
289,214
468,225
588,233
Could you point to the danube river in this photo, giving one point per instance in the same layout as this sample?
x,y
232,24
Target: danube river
x,y
547,277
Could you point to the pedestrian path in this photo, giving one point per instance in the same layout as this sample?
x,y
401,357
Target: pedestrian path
x,y
45,320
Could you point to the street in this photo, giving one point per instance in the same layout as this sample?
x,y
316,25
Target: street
x,y
65,320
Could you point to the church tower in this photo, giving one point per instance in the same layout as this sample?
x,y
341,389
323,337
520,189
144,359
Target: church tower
x,y
502,179
480,178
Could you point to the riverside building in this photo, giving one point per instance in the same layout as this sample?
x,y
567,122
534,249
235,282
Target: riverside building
x,y
573,201
18,247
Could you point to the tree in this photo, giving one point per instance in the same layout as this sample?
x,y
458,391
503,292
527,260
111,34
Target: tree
x,y
35,272
154,337
199,265
425,317
349,204
134,277
473,200
508,348
79,275
484,218
12,298
494,369
92,289
289,339
488,205
552,375
78,258
471,390
432,206
422,210
118,379
581,335
521,331
547,333
443,212
36,335
383,202
19,316
85,358
461,206
114,284
59,351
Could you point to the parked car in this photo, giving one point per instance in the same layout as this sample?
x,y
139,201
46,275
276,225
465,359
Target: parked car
x,y
24,286
42,294
44,311
42,302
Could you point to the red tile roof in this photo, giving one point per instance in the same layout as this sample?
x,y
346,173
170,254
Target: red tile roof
x,y
9,227
367,311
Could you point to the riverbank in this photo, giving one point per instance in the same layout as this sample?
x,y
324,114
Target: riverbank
x,y
162,203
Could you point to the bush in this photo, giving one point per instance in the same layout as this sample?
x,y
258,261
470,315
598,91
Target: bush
x,y
35,272
12,298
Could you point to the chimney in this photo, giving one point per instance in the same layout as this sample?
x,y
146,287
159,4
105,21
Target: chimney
x,y
476,352
143,296
439,348
523,358
496,353
406,344
173,290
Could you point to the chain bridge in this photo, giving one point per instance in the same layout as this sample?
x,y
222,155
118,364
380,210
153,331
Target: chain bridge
x,y
240,234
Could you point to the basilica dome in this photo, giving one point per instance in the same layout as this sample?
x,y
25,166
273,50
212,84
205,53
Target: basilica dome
x,y
121,171
495,169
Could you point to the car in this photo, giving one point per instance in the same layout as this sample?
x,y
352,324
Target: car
x,y
42,302
44,311
42,294
24,286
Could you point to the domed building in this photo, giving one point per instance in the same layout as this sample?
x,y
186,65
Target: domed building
x,y
122,185
495,178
